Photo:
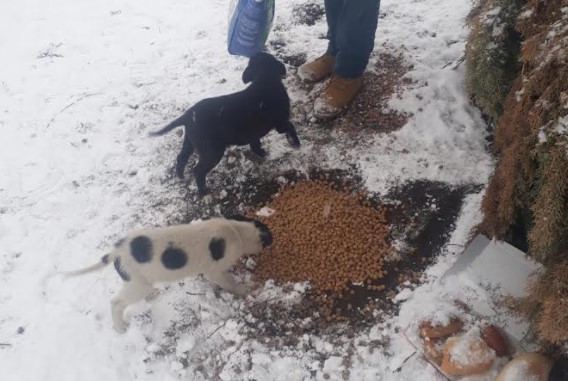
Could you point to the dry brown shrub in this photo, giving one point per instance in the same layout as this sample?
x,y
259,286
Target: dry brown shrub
x,y
530,183
535,28
551,281
550,207
553,322
507,197
546,304
491,53
534,101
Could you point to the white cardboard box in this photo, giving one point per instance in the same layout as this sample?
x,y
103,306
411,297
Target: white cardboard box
x,y
500,269
492,269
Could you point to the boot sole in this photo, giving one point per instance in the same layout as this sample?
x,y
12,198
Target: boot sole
x,y
312,80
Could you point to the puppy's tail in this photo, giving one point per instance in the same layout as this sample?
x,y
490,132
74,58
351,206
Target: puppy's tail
x,y
176,123
105,260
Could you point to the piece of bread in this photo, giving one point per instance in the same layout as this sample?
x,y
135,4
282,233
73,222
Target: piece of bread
x,y
466,355
526,366
433,350
495,340
428,329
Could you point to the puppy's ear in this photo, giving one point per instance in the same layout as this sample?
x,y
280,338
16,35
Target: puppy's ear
x,y
247,75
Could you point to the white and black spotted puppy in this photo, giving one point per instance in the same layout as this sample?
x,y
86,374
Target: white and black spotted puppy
x,y
211,248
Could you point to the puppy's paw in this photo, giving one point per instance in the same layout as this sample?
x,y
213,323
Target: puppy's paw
x,y
241,291
207,199
152,296
255,291
179,172
120,327
293,140
260,152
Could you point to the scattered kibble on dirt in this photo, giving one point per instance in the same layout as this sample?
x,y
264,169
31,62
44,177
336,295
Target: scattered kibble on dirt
x,y
330,237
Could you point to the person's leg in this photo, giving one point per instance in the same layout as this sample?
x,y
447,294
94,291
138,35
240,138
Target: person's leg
x,y
355,36
333,9
322,67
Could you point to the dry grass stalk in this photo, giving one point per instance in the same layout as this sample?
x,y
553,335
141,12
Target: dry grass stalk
x,y
491,53
530,184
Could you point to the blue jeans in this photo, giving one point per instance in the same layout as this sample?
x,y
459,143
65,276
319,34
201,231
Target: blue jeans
x,y
351,33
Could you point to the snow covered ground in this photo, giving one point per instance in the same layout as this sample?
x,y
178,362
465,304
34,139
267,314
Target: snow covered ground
x,y
81,84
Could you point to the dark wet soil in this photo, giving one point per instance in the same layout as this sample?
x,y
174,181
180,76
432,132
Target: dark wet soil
x,y
421,217
370,112
308,14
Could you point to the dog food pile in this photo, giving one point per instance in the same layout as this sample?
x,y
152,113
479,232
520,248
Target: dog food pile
x,y
334,239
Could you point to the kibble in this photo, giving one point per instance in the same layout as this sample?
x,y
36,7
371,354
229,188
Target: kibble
x,y
328,237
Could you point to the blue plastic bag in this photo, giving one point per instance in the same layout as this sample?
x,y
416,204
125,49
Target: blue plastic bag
x,y
249,26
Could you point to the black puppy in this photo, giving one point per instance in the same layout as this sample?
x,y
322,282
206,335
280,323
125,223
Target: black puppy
x,y
241,118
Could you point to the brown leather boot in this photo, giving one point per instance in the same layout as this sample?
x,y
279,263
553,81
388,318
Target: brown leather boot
x,y
338,94
318,69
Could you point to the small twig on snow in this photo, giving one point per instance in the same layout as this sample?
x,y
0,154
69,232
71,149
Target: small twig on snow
x,y
459,62
405,361
69,105
422,356
254,303
455,63
216,329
